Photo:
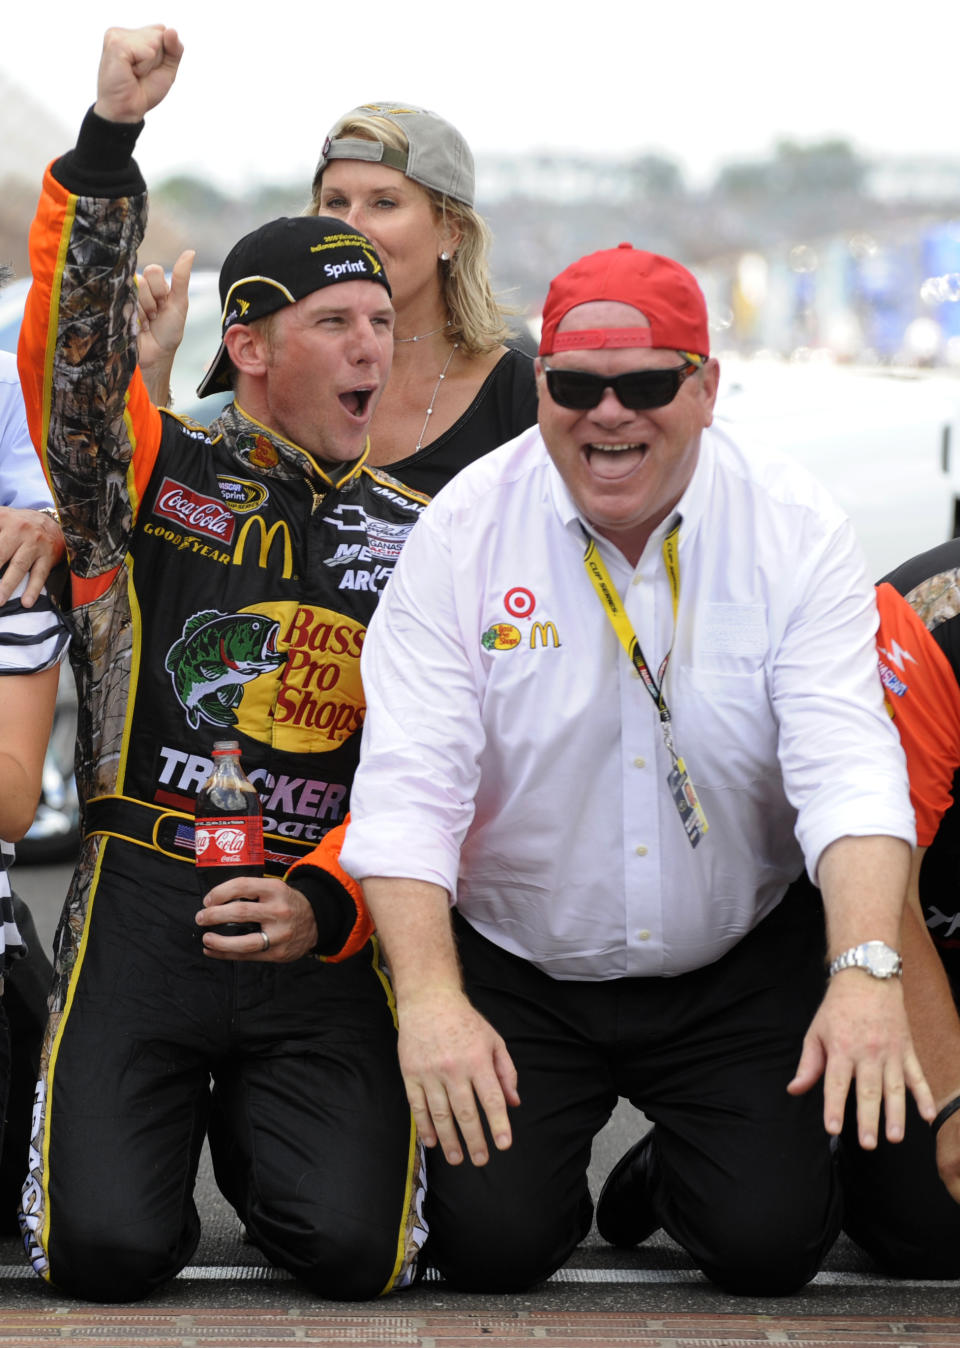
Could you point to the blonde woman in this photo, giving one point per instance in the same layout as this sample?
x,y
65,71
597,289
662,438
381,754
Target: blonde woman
x,y
404,177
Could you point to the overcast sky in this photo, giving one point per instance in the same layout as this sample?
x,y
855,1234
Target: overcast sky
x,y
261,80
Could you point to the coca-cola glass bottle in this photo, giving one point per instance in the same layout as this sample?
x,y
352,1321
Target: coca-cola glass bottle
x,y
228,831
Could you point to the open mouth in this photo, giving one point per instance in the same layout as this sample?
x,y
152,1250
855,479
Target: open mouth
x,y
356,401
613,462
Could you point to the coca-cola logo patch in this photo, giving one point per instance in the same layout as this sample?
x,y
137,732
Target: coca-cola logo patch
x,y
203,514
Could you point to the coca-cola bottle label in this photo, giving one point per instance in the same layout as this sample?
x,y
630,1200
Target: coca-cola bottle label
x,y
234,840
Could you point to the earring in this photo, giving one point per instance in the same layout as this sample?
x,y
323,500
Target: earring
x,y
444,256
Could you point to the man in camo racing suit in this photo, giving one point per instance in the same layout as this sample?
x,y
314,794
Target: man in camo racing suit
x,y
222,584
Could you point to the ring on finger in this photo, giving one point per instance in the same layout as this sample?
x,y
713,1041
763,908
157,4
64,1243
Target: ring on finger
x,y
265,939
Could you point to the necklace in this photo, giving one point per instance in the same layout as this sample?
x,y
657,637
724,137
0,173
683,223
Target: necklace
x,y
443,375
397,341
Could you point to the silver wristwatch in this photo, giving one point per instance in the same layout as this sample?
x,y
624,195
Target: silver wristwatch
x,y
875,957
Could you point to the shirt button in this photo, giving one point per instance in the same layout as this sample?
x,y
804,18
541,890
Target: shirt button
x,y
642,850
637,580
639,762
643,935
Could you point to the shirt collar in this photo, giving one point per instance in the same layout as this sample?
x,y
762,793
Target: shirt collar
x,y
271,454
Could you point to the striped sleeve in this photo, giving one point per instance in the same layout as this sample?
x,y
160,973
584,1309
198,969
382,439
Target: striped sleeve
x,y
11,942
31,639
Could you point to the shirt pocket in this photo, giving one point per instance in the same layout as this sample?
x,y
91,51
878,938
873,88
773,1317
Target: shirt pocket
x,y
724,727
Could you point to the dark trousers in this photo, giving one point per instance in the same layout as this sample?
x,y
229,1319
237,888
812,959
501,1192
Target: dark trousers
x,y
25,1000
744,1176
310,1131
895,1204
4,1069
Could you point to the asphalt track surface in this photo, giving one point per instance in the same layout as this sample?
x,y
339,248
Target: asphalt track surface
x,y
648,1296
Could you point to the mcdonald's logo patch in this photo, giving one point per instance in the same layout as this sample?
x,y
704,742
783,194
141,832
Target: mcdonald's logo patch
x,y
265,539
543,634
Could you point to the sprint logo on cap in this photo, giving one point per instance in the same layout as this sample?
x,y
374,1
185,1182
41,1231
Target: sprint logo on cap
x,y
336,270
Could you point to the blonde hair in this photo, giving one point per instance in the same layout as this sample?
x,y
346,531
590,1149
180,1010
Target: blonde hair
x,y
477,321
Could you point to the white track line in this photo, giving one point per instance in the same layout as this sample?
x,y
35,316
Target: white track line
x,y
569,1276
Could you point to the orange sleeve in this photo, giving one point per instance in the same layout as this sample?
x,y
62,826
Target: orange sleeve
x,y
326,857
923,697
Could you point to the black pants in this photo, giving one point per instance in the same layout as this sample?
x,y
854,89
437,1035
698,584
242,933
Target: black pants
x,y
311,1134
25,1000
895,1204
4,1069
745,1179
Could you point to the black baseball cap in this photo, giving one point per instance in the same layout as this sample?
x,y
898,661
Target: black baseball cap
x,y
280,263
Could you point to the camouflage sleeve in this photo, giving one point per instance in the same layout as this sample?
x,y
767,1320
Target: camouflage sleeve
x,y
88,411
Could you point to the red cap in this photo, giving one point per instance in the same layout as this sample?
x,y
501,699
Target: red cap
x,y
665,293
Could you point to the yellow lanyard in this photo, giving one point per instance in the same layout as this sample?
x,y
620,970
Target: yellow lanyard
x,y
600,579
681,787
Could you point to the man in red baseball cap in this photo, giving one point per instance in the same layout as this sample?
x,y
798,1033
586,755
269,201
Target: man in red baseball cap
x,y
621,694
642,320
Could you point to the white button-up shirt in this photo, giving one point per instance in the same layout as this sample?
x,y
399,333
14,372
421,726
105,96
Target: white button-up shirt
x,y
22,482
512,755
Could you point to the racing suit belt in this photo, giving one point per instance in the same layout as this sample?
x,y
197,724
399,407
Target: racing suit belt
x,y
171,831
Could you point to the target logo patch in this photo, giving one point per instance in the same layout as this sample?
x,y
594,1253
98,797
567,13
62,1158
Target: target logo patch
x,y
519,602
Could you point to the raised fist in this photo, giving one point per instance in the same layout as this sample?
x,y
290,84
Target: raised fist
x,y
137,68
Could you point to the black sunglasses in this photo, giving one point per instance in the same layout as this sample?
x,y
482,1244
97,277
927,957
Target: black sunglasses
x,y
637,390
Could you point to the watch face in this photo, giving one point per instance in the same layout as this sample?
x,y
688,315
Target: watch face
x,y
880,959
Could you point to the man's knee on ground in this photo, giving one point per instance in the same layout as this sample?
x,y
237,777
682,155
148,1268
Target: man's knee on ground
x,y
351,1263
110,1270
489,1274
771,1262
907,1248
508,1260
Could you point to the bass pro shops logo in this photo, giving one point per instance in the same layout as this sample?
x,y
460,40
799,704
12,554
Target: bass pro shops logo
x,y
283,673
500,637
